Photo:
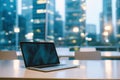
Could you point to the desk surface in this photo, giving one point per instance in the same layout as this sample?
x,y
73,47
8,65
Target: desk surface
x,y
88,69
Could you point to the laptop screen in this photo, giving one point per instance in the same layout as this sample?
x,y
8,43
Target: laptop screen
x,y
39,53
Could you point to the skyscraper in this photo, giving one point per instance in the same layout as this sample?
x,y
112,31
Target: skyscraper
x,y
27,14
91,32
7,22
91,28
108,29
118,19
58,28
43,19
75,21
101,36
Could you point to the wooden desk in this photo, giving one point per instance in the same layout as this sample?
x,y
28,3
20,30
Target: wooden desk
x,y
88,69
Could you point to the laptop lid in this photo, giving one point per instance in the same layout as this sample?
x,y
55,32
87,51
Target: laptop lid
x,y
39,53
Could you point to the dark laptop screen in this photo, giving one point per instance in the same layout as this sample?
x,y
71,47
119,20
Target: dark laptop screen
x,y
39,53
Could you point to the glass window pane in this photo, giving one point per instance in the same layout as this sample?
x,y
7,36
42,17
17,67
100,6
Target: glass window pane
x,y
64,22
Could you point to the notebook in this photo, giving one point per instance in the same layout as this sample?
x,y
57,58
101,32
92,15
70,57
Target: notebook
x,y
42,56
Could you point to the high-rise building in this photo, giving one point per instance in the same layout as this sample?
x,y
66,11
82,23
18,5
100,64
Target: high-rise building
x,y
108,21
43,20
27,28
91,32
75,21
27,14
101,36
58,25
118,19
58,29
7,22
22,27
91,28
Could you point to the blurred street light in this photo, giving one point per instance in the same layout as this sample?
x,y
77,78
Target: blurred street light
x,y
107,28
16,30
29,36
106,40
105,33
76,29
82,35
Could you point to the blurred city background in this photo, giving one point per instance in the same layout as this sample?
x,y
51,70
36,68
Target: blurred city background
x,y
67,23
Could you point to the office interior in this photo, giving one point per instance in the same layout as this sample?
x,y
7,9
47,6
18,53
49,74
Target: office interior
x,y
74,26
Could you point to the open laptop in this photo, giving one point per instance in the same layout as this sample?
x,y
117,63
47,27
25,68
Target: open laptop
x,y
42,56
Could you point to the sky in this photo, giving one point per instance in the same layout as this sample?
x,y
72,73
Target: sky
x,y
94,7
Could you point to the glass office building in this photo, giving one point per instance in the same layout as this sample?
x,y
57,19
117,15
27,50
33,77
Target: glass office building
x,y
108,21
66,22
43,20
118,20
7,23
75,22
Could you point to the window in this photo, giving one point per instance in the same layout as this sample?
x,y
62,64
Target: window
x,y
65,22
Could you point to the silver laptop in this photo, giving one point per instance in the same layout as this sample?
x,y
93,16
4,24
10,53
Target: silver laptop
x,y
42,56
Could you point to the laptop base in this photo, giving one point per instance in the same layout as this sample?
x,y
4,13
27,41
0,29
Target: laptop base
x,y
54,68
